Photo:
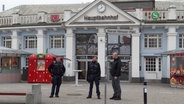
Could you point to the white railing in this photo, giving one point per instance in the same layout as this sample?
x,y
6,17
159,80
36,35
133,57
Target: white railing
x,y
46,18
34,19
29,19
147,15
4,21
180,15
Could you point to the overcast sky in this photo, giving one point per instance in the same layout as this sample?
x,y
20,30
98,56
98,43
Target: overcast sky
x,y
12,3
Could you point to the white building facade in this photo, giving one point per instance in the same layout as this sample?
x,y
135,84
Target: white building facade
x,y
99,28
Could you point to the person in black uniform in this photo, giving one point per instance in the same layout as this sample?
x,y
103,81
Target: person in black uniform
x,y
115,72
57,70
93,75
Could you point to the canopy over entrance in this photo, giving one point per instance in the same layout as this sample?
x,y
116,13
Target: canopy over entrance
x,y
10,64
4,50
176,51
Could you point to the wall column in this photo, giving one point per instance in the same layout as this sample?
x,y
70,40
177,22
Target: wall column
x,y
15,40
70,53
135,74
101,50
40,41
17,44
171,45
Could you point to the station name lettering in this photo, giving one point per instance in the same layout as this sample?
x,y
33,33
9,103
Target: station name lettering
x,y
111,17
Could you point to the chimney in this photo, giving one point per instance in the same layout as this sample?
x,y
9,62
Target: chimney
x,y
3,7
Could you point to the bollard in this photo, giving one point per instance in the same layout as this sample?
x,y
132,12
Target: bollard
x,y
145,92
30,98
36,90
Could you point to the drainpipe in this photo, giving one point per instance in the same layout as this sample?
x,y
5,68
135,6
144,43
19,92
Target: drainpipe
x,y
140,68
3,7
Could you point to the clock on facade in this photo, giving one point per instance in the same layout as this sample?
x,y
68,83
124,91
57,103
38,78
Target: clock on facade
x,y
101,8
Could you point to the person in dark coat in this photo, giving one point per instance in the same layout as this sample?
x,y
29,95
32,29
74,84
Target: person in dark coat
x,y
115,72
93,75
57,70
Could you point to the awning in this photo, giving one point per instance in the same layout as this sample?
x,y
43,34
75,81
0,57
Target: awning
x,y
176,51
4,50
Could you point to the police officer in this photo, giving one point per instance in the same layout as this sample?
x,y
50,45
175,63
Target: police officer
x,y
115,72
57,70
93,75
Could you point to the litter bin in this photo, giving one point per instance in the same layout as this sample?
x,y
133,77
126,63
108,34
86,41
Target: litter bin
x,y
25,74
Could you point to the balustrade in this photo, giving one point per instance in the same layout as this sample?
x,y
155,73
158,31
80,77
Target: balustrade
x,y
149,15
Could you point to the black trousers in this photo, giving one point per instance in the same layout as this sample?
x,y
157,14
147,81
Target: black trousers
x,y
56,83
97,83
116,87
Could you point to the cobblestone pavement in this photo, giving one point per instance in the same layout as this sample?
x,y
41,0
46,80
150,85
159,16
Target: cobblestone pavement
x,y
132,93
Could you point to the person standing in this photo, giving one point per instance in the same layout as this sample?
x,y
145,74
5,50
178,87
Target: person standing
x,y
57,70
93,75
115,72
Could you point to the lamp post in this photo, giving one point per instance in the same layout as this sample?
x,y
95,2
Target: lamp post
x,y
106,68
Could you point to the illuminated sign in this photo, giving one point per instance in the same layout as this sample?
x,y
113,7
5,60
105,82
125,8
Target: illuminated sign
x,y
54,18
155,15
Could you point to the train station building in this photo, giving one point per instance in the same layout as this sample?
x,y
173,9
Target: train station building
x,y
137,30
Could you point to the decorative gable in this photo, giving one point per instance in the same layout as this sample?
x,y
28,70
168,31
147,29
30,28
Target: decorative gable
x,y
101,12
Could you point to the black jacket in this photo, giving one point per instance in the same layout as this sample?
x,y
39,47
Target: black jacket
x,y
116,67
56,69
93,70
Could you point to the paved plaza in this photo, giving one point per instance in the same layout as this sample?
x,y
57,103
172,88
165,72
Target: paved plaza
x,y
132,93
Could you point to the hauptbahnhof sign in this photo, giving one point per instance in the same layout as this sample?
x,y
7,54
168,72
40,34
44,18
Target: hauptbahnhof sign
x,y
110,17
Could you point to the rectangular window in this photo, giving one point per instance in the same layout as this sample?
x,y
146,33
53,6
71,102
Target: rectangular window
x,y
86,44
159,64
27,61
119,43
30,42
153,64
150,64
10,63
181,41
57,41
153,41
7,41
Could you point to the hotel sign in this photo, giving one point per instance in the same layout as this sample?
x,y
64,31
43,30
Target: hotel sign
x,y
120,31
110,17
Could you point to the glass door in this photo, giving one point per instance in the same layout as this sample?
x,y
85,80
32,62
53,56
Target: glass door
x,y
153,67
124,71
82,65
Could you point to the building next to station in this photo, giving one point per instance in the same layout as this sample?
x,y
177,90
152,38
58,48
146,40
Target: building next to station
x,y
138,30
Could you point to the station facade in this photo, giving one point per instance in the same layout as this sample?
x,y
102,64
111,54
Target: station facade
x,y
99,28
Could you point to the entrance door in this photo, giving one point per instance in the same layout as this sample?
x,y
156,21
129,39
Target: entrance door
x,y
153,68
120,43
124,71
82,65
